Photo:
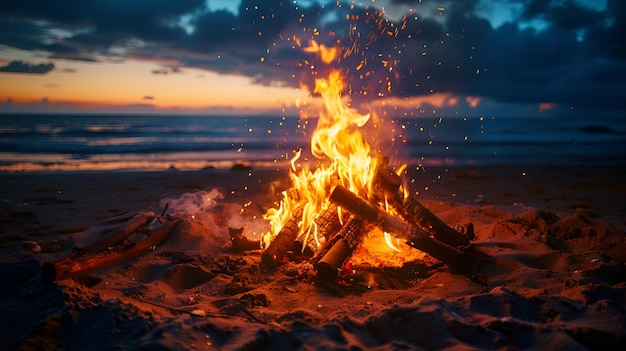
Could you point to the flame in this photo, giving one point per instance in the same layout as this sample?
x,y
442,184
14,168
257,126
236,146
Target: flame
x,y
326,54
342,156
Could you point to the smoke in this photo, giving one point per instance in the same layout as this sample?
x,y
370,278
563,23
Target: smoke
x,y
210,208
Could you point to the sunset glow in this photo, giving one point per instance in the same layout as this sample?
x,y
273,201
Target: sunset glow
x,y
216,57
134,83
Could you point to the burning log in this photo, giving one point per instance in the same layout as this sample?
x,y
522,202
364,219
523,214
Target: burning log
x,y
432,224
415,213
327,224
78,262
283,242
340,248
415,237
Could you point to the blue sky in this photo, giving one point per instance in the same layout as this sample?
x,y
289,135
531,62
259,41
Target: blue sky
x,y
503,57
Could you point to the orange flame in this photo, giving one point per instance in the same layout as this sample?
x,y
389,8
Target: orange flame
x,y
325,53
343,156
342,153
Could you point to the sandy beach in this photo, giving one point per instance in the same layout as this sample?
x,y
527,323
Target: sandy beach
x,y
554,277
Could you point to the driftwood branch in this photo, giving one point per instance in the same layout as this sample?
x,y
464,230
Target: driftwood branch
x,y
119,234
78,262
414,236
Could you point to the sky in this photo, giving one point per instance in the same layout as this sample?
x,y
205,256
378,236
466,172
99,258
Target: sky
x,y
447,57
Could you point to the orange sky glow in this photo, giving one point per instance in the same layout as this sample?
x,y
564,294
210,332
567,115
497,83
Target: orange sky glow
x,y
103,86
134,83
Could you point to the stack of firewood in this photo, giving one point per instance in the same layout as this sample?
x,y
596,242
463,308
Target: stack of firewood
x,y
415,224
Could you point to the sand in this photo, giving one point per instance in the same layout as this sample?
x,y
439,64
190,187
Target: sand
x,y
555,278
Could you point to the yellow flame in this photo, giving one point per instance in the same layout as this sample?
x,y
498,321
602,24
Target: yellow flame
x,y
343,156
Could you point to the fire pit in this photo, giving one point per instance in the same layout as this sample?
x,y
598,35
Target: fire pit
x,y
349,189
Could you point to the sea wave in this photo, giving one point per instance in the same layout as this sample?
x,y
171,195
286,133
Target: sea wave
x,y
158,142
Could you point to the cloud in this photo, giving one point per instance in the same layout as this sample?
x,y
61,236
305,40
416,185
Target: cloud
x,y
24,67
557,51
148,97
166,70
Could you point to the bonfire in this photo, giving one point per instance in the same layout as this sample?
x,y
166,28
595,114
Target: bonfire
x,y
349,193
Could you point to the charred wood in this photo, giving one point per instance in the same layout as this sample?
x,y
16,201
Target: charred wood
x,y
283,242
433,225
412,211
327,225
240,243
414,236
340,249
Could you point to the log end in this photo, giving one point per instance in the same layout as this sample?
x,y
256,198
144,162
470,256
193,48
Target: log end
x,y
328,267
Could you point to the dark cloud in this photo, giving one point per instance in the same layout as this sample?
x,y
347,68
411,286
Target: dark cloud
x,y
575,57
20,34
148,97
567,14
166,70
515,64
24,67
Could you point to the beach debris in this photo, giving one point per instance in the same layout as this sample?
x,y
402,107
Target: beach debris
x,y
198,313
239,241
119,234
120,245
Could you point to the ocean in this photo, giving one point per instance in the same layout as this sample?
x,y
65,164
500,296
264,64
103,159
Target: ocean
x,y
152,143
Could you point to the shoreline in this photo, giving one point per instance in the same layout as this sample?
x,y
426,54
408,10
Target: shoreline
x,y
600,190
